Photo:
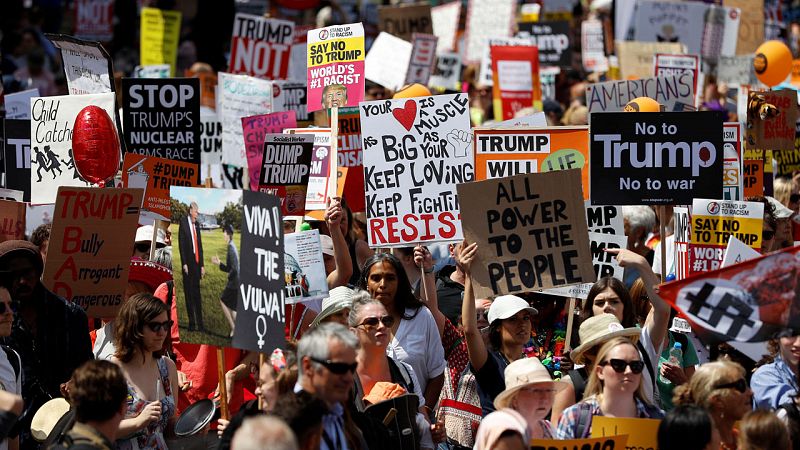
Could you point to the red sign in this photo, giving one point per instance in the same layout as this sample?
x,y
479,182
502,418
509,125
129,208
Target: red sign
x,y
515,73
261,47
94,19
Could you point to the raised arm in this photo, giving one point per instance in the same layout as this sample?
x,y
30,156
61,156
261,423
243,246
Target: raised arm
x,y
465,255
424,260
344,265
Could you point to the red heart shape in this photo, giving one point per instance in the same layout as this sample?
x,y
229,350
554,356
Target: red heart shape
x,y
406,115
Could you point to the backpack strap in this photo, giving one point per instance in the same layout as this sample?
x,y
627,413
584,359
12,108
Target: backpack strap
x,y
646,359
584,423
16,363
578,382
397,367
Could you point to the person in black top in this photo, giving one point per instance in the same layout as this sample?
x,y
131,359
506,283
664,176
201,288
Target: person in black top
x,y
50,334
229,295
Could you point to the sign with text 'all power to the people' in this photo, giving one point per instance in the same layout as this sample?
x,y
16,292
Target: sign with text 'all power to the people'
x,y
415,153
656,158
260,47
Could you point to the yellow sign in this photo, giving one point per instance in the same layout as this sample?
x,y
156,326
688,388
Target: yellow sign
x,y
159,37
642,433
605,443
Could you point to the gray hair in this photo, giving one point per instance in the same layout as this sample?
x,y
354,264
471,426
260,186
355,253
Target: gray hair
x,y
639,216
261,432
315,343
361,298
163,256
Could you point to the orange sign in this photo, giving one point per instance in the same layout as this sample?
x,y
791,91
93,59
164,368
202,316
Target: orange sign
x,y
506,152
155,176
753,170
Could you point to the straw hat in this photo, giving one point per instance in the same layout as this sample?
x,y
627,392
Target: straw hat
x,y
338,298
521,373
46,418
598,330
506,306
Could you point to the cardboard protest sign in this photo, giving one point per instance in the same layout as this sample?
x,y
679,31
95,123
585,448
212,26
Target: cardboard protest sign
x,y
90,246
444,21
285,170
202,259
52,119
320,185
254,129
260,46
210,137
415,151
154,176
553,41
606,443
655,158
636,58
18,104
737,251
486,20
658,21
152,71
668,65
746,302
351,157
736,70
17,156
94,19
12,220
305,268
604,263
751,25
87,65
423,54
159,35
387,61
776,131
507,152
291,96
405,20
447,72
732,165
593,54
672,92
753,182
788,161
335,66
713,222
531,233
485,76
642,433
161,118
239,96
683,235
208,89
261,299
515,71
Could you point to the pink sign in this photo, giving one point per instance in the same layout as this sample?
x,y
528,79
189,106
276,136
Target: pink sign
x,y
254,129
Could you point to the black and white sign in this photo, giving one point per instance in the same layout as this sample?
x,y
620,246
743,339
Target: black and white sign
x,y
17,156
552,38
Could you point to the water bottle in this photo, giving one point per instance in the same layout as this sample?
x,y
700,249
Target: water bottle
x,y
676,358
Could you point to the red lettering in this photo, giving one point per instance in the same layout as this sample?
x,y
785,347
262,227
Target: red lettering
x,y
62,289
72,240
408,221
448,228
67,196
69,264
427,218
376,234
391,222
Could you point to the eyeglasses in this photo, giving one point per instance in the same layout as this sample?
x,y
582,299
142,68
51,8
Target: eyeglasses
x,y
339,368
740,385
767,235
155,327
372,322
8,307
619,365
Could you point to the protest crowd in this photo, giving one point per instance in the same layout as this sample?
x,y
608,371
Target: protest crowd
x,y
387,224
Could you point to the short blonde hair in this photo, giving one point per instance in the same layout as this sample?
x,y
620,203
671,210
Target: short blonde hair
x,y
701,390
594,387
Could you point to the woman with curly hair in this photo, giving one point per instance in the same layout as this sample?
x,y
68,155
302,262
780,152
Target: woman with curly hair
x,y
721,388
141,327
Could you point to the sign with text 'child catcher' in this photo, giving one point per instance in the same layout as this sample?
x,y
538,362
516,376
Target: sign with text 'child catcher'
x,y
90,247
260,47
656,158
415,152
162,118
261,306
531,233
335,66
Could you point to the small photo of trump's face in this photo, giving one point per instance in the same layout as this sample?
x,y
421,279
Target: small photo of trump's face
x,y
334,95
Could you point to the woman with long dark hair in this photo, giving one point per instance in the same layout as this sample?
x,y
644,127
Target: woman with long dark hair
x,y
142,325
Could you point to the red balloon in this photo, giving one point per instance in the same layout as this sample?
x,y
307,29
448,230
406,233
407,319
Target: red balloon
x,y
95,145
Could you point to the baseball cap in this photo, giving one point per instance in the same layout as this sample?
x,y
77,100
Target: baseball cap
x,y
506,306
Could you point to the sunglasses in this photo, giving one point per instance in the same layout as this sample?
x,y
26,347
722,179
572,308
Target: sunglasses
x,y
740,385
619,365
339,368
372,322
8,307
767,235
155,327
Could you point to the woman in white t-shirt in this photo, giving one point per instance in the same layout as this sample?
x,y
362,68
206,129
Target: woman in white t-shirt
x,y
415,337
